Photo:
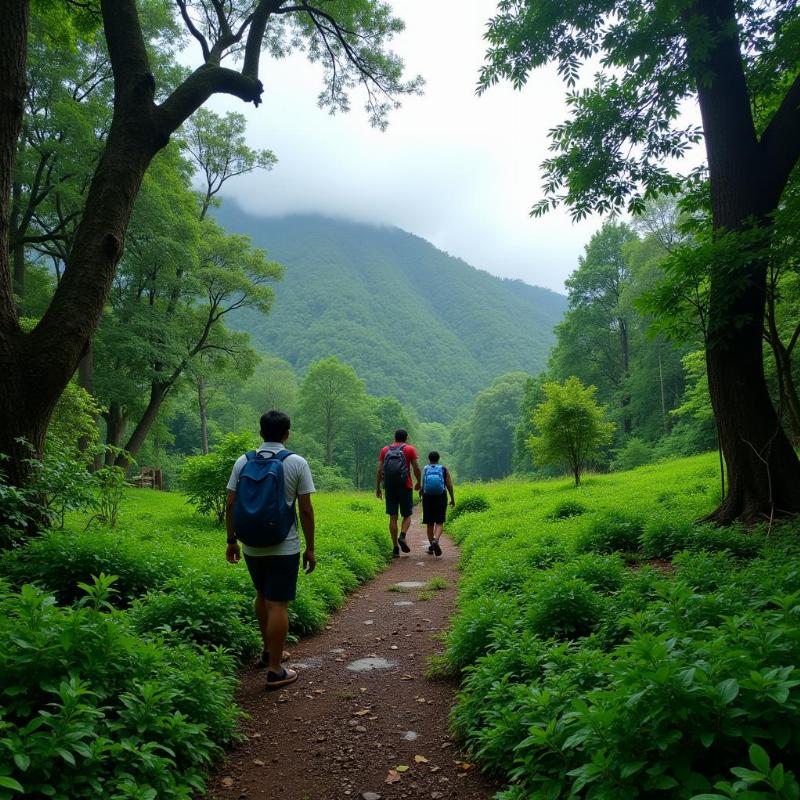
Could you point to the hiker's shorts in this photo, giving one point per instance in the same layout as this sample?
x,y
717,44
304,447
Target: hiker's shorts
x,y
434,508
274,576
399,498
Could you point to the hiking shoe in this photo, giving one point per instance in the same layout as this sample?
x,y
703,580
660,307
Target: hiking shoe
x,y
283,678
403,546
395,552
437,551
429,551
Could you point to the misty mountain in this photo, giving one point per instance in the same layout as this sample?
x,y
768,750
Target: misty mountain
x,y
414,322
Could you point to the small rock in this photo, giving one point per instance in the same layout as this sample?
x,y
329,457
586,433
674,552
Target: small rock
x,y
360,729
410,736
370,796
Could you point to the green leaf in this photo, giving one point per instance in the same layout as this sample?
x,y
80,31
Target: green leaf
x,y
22,760
759,758
728,690
10,783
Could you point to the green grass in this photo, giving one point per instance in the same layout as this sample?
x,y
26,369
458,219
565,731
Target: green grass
x,y
135,681
610,647
161,546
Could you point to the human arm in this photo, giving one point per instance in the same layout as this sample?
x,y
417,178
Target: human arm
x,y
232,554
417,473
378,479
307,523
448,482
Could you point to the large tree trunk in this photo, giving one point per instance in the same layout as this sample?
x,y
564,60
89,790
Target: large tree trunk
x,y
158,391
763,470
116,422
37,366
28,425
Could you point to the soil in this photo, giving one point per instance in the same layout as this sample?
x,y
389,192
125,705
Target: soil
x,y
338,733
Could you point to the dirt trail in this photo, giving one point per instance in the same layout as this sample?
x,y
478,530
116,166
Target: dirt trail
x,y
336,733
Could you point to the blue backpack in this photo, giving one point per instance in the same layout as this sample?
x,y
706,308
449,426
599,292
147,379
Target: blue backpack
x,y
433,479
261,516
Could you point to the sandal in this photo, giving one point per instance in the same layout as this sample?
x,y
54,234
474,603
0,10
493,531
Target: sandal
x,y
263,659
276,681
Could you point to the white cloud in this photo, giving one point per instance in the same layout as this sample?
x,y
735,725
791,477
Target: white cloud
x,y
459,170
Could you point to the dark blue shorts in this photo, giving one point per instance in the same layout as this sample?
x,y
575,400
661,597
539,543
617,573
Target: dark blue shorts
x,y
402,499
434,509
274,576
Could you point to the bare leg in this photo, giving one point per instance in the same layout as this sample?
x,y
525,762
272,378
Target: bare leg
x,y
430,533
438,529
406,525
393,528
277,630
262,614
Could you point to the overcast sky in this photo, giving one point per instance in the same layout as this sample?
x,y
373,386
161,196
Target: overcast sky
x,y
459,170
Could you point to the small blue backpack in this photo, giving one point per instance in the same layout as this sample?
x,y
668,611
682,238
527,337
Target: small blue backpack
x,y
261,516
433,479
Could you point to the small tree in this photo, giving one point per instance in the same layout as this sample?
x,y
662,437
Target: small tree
x,y
205,478
571,426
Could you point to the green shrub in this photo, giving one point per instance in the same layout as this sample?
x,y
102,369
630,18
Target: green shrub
x,y
568,508
60,560
471,504
634,453
204,478
739,540
610,532
89,710
472,631
664,536
188,609
603,573
564,608
705,571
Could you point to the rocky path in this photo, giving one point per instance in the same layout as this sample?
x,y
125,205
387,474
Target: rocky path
x,y
362,722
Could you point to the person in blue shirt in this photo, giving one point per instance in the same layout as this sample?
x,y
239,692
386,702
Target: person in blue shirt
x,y
437,484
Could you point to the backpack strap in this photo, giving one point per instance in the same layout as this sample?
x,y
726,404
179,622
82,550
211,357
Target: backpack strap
x,y
250,455
281,455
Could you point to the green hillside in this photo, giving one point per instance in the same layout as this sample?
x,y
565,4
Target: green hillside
x,y
414,322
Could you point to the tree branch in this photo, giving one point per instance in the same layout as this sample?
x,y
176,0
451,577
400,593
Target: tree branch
x,y
125,43
780,141
255,36
198,87
193,29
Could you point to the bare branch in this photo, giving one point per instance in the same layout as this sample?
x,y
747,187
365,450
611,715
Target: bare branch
x,y
193,29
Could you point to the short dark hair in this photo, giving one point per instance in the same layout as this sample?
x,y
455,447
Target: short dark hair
x,y
400,435
274,425
433,457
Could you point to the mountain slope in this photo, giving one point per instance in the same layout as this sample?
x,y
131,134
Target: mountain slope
x,y
414,322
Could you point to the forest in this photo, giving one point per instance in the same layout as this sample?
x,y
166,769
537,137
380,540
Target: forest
x,y
626,619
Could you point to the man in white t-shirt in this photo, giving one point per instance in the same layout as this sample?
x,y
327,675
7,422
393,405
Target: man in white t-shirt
x,y
274,569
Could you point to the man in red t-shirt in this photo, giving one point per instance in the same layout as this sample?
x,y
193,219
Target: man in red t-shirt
x,y
395,463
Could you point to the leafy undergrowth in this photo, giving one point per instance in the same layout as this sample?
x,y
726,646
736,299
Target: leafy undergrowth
x,y
588,673
124,688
